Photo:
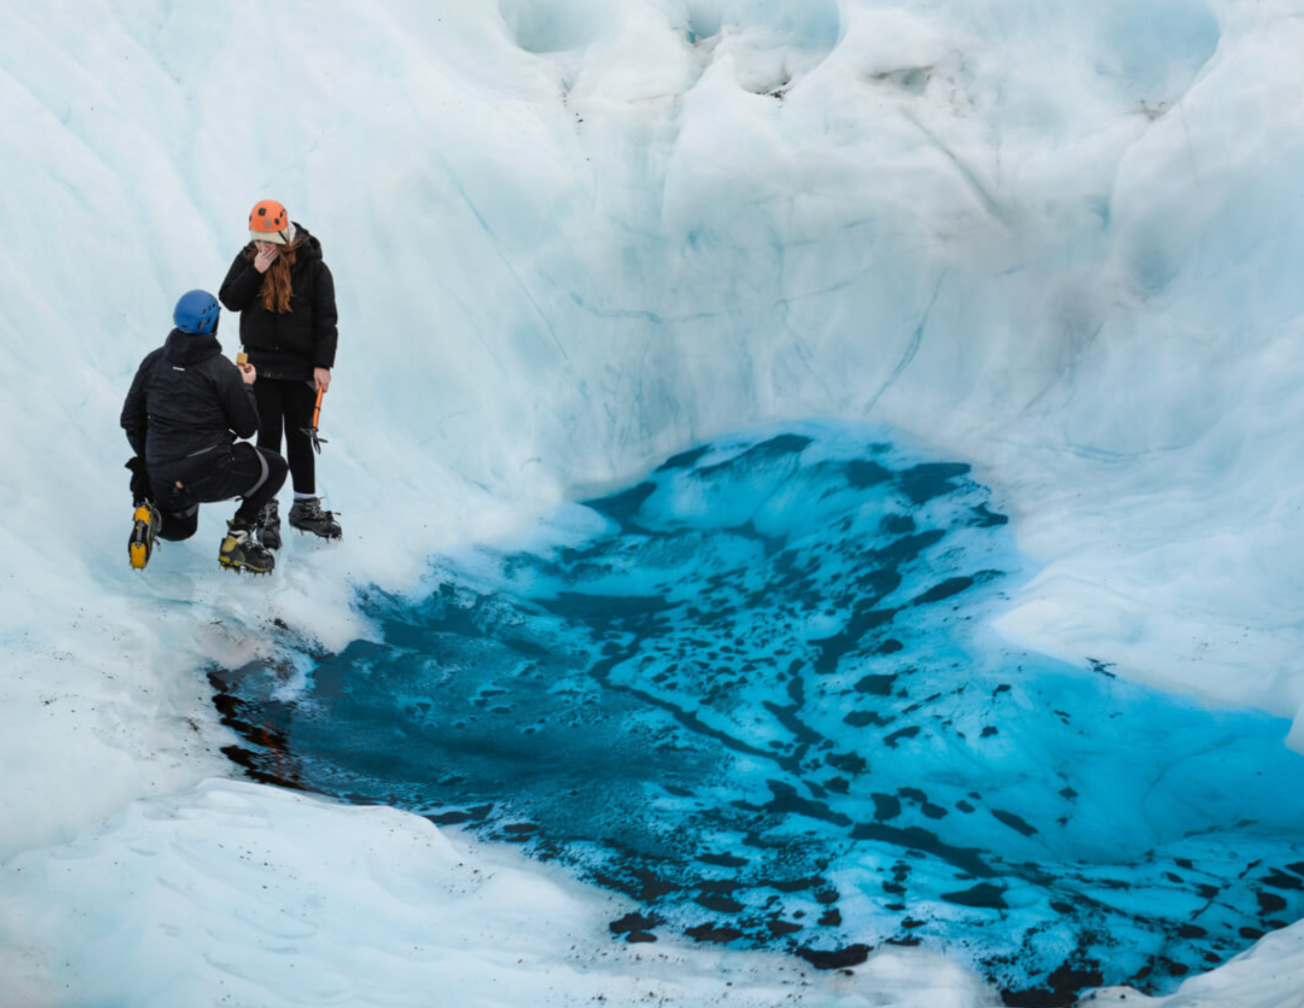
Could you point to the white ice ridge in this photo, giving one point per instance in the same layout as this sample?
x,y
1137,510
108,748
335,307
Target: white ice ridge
x,y
1062,241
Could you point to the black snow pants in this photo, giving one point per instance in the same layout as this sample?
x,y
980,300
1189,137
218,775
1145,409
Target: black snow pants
x,y
239,471
287,406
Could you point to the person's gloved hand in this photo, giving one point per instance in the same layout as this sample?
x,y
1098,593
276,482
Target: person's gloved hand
x,y
140,488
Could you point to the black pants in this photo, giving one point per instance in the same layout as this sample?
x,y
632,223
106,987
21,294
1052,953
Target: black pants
x,y
246,471
287,406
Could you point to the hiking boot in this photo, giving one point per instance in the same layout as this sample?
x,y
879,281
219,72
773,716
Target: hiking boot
x,y
240,550
307,515
144,530
269,525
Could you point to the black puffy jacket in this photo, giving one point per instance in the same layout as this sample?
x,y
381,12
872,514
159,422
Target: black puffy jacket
x,y
185,402
286,346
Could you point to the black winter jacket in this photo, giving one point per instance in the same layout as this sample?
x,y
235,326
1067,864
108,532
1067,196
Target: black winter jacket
x,y
186,401
286,346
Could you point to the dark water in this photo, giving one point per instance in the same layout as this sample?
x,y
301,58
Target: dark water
x,y
755,692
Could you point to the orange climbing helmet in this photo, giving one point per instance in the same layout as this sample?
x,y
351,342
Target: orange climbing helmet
x,y
268,222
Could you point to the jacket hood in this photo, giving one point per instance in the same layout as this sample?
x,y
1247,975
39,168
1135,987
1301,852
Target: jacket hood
x,y
190,348
311,247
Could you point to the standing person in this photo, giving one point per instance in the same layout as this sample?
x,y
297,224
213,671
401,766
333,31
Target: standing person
x,y
286,298
186,407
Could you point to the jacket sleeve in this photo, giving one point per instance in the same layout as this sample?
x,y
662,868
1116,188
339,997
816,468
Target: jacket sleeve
x,y
135,410
238,400
241,285
325,319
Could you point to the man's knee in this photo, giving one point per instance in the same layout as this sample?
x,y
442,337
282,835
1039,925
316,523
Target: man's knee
x,y
179,525
277,468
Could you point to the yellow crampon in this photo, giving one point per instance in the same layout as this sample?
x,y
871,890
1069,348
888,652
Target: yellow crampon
x,y
144,527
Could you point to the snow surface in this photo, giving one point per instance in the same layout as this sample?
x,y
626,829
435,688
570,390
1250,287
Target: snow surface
x,y
570,238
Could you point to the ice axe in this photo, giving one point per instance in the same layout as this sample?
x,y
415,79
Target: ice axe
x,y
317,440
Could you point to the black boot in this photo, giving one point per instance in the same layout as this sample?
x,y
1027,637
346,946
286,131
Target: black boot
x,y
240,550
144,530
307,515
269,526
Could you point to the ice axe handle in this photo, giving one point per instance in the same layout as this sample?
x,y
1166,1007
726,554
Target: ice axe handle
x,y
317,440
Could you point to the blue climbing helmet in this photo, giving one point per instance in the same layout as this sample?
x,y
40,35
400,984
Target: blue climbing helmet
x,y
197,312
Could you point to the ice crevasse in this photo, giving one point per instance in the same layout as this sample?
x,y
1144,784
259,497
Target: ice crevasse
x,y
571,239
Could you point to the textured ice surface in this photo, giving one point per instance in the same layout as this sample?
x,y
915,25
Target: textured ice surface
x,y
1062,241
753,692
234,894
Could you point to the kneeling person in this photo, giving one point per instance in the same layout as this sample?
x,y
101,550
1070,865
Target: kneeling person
x,y
187,407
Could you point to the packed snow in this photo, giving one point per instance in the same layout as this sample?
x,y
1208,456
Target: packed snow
x,y
572,238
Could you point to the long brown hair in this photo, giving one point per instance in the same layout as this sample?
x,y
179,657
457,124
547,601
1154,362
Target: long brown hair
x,y
276,289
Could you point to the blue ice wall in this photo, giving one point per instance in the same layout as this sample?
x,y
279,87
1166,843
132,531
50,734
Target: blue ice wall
x,y
756,693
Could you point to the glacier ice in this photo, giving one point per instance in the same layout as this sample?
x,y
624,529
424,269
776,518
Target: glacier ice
x,y
573,238
747,692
